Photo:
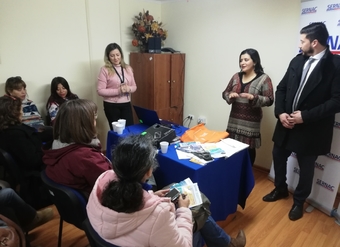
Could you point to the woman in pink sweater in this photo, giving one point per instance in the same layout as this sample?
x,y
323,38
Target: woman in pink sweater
x,y
115,84
124,211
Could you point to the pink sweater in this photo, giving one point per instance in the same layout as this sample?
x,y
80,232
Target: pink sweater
x,y
156,224
109,86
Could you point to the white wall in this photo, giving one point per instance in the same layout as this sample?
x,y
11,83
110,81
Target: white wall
x,y
43,39
213,33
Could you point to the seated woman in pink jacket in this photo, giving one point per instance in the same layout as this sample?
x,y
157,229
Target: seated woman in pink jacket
x,y
75,159
124,211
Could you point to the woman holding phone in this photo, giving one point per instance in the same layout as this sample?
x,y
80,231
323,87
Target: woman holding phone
x,y
124,211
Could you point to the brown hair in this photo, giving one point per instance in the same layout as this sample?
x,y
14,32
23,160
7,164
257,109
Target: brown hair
x,y
14,83
75,122
10,111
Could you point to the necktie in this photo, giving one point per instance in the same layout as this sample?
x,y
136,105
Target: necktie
x,y
302,82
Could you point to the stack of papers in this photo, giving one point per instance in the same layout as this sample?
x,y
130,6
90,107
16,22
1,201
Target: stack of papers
x,y
231,146
224,148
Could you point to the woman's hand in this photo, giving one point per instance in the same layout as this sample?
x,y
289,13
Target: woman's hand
x,y
247,95
124,88
233,95
183,201
161,193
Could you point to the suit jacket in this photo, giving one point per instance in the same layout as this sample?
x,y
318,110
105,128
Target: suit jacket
x,y
318,103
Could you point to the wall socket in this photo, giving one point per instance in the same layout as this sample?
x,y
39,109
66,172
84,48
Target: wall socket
x,y
202,119
191,117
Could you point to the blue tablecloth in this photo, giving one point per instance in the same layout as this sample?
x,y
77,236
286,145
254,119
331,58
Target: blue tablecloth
x,y
226,182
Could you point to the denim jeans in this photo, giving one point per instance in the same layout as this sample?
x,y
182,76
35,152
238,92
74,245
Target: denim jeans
x,y
211,234
10,201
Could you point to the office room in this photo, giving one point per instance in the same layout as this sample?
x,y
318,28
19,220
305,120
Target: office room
x,y
43,39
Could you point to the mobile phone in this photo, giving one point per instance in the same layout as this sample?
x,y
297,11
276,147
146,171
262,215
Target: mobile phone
x,y
173,194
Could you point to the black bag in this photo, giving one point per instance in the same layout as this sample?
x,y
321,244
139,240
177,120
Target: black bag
x,y
200,213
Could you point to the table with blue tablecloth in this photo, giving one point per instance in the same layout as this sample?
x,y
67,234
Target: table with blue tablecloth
x,y
226,182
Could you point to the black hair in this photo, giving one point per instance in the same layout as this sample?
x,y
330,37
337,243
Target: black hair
x,y
316,31
254,55
132,158
54,97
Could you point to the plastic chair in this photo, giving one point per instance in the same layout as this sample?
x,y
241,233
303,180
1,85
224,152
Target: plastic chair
x,y
71,204
94,239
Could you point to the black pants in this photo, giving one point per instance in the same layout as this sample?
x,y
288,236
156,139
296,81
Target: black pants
x,y
115,111
306,165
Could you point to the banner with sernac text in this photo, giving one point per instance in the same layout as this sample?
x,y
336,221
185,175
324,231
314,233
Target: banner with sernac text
x,y
327,167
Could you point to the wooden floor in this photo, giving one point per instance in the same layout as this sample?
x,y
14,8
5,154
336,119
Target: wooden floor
x,y
265,224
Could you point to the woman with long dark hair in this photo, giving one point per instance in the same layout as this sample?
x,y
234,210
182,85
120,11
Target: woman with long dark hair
x,y
124,210
248,91
60,93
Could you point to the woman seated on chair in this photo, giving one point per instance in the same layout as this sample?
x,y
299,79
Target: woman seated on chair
x,y
75,159
60,93
21,141
14,208
24,144
124,211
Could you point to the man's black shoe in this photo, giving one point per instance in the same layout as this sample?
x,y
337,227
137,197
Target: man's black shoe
x,y
275,195
295,213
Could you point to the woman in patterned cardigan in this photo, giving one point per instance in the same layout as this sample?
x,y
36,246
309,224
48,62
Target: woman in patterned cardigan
x,y
248,91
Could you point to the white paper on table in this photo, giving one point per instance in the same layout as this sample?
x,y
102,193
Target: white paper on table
x,y
231,146
183,155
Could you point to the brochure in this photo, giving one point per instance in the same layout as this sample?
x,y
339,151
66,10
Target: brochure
x,y
191,190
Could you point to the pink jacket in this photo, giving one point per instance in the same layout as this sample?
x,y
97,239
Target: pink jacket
x,y
157,224
109,86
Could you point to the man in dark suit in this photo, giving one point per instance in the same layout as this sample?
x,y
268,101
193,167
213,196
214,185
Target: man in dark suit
x,y
307,99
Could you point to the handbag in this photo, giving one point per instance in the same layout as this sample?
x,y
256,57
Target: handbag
x,y
11,234
200,213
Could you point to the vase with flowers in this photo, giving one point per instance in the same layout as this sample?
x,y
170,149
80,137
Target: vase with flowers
x,y
145,27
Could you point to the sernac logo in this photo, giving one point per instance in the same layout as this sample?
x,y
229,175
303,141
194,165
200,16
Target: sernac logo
x,y
334,44
335,6
325,185
310,10
319,166
333,156
336,124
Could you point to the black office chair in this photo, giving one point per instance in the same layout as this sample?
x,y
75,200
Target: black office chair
x,y
12,172
94,239
71,204
26,183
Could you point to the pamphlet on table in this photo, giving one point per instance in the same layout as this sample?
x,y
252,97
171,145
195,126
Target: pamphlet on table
x,y
204,153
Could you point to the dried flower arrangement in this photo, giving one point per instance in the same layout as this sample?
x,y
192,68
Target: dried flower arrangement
x,y
145,27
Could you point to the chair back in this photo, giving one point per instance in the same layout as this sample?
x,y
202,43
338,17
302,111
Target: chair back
x,y
94,239
71,204
10,167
